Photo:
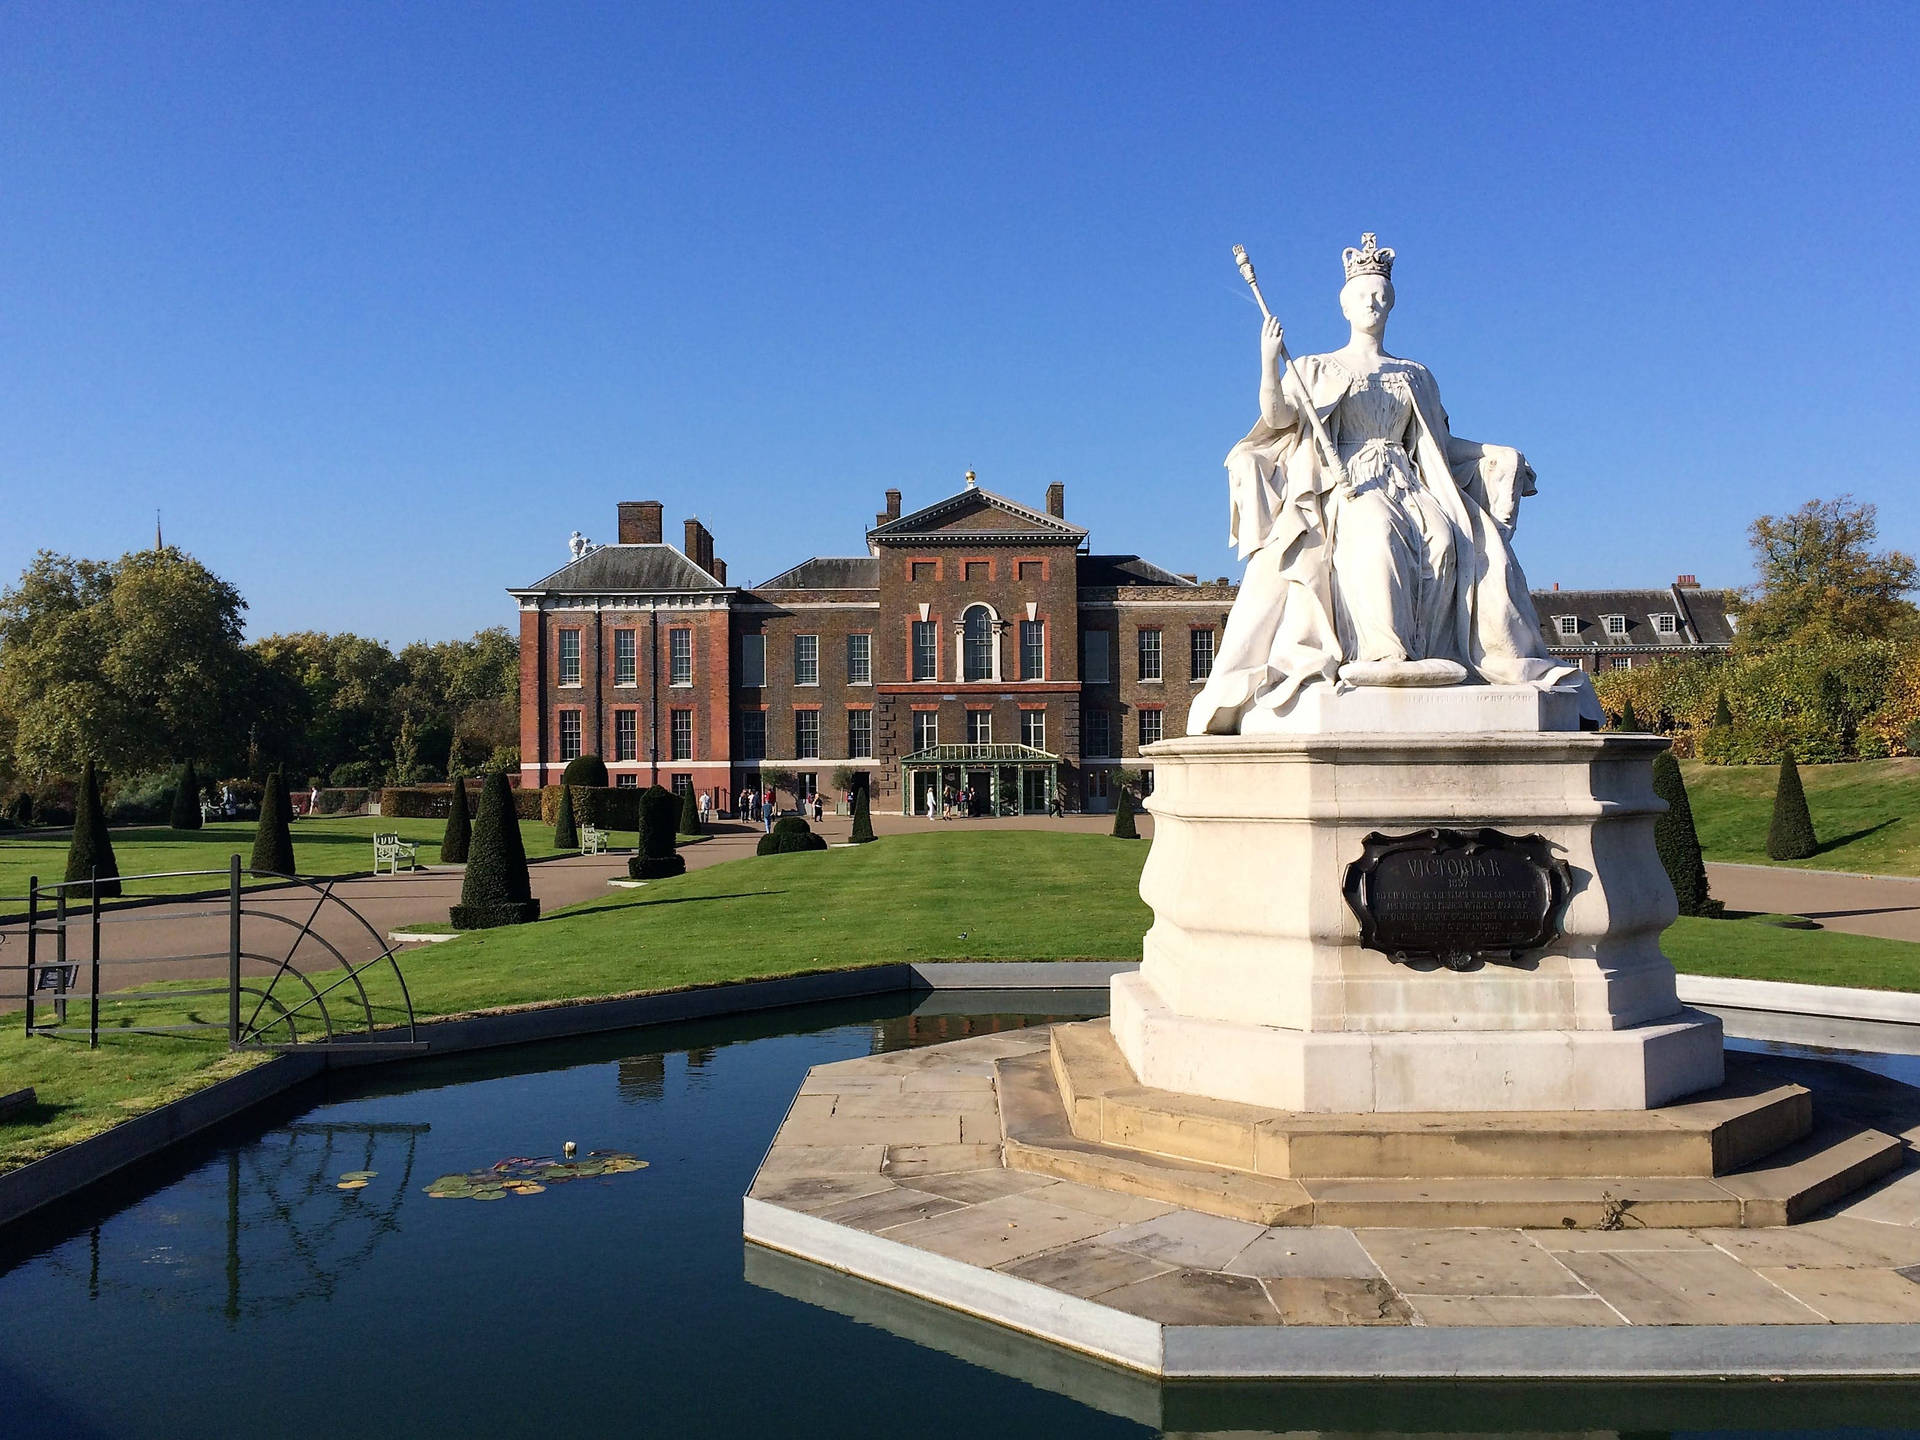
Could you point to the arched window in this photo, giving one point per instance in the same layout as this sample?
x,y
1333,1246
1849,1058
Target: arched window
x,y
976,644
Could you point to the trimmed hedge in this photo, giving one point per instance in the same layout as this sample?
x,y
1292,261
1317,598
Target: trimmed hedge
x,y
456,842
862,814
434,802
273,836
186,800
566,834
1123,827
90,852
1790,835
609,807
497,889
342,802
587,771
1678,842
690,813
790,835
659,818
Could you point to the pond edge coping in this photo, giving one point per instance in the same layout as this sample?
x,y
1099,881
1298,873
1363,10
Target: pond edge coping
x,y
75,1167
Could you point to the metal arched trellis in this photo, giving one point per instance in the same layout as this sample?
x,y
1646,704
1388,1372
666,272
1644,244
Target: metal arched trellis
x,y
313,992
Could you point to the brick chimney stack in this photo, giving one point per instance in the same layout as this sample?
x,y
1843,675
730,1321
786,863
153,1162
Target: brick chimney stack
x,y
892,512
1688,582
1057,500
640,522
718,570
699,546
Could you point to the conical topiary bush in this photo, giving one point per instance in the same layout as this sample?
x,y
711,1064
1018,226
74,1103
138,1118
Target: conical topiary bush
x,y
1790,836
790,835
1678,842
273,836
1722,712
186,800
659,819
457,839
689,813
566,834
22,811
1629,720
90,853
862,814
1123,817
497,889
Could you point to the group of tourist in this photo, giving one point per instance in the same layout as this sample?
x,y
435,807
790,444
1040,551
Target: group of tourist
x,y
762,806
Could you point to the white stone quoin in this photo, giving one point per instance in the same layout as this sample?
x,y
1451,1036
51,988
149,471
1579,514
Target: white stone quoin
x,y
1254,986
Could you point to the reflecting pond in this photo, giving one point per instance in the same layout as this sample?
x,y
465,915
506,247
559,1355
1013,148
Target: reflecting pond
x,y
296,1278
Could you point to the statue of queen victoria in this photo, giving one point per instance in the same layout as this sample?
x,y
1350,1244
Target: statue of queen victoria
x,y
1378,543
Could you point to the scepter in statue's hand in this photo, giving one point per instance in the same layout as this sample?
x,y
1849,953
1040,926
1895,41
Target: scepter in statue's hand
x,y
1306,406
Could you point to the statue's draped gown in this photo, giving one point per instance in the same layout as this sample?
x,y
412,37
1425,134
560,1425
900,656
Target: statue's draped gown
x,y
1400,554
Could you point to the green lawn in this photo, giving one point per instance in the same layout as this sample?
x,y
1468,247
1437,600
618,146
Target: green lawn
x,y
984,895
322,847
1866,814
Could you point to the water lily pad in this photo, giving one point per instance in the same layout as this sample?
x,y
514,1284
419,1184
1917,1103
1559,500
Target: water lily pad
x,y
358,1174
521,1175
351,1185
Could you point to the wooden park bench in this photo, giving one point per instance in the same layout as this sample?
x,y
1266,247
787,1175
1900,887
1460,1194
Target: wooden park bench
x,y
593,840
390,850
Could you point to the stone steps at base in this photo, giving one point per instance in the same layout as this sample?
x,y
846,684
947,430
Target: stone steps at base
x,y
1793,1184
1749,1117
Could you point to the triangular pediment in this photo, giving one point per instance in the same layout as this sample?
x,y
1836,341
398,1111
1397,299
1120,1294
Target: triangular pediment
x,y
974,514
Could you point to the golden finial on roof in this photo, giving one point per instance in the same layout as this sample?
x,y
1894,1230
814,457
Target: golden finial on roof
x,y
971,482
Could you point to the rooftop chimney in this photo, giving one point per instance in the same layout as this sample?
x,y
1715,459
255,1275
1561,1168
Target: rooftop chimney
x,y
640,522
699,546
1688,582
1057,500
892,512
719,570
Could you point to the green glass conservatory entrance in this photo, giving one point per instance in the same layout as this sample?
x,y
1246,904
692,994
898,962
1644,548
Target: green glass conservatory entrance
x,y
978,780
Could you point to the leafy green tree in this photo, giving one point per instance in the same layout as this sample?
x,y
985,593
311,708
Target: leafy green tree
x,y
333,702
186,800
1821,578
659,857
457,839
90,852
273,836
1123,827
132,662
1790,836
1678,842
783,781
689,813
566,834
497,890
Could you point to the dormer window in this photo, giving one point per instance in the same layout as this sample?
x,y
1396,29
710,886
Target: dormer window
x,y
1616,625
1666,624
1568,626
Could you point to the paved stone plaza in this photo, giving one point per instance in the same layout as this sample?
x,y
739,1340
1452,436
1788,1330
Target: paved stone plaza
x,y
890,1167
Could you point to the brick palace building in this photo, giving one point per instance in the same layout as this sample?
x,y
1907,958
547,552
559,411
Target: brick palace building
x,y
978,645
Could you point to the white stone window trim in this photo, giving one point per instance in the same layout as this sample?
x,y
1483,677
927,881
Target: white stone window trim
x,y
1615,625
814,683
1666,623
1567,627
995,626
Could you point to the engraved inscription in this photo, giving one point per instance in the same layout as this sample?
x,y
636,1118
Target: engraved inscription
x,y
1457,897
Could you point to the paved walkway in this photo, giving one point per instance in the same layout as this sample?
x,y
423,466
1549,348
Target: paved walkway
x,y
1883,905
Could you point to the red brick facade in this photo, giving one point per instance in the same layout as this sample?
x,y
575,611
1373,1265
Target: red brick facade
x,y
961,627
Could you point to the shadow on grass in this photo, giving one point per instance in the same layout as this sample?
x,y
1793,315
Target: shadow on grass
x,y
610,905
1840,841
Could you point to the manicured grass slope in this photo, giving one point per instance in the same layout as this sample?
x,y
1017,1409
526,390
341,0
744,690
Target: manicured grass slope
x,y
321,847
989,895
1866,815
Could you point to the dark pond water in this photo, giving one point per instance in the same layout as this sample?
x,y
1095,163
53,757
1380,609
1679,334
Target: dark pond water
x,y
240,1292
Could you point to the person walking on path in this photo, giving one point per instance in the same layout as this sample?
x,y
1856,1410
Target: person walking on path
x,y
706,807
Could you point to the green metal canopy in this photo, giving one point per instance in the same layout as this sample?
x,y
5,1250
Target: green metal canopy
x,y
980,755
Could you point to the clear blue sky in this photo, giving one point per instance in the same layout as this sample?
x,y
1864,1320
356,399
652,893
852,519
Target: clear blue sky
x,y
379,302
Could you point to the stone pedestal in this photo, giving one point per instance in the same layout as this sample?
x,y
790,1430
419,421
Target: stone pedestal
x,y
1254,986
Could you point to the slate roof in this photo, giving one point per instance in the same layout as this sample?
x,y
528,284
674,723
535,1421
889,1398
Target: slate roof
x,y
1702,618
925,524
1122,570
624,569
828,572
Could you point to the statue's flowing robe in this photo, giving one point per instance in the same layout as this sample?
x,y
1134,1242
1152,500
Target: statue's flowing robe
x,y
1282,634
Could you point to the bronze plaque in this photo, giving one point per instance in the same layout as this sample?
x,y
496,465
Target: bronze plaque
x,y
1457,896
